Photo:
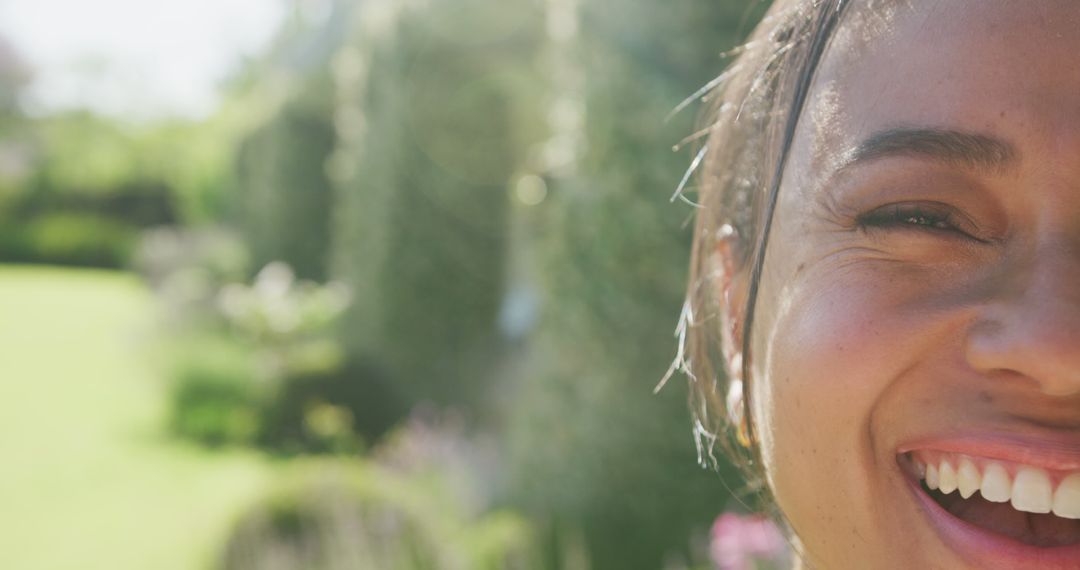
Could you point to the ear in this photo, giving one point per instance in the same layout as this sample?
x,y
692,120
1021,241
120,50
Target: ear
x,y
731,282
731,279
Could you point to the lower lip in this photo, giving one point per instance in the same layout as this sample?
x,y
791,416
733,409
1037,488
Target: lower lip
x,y
991,551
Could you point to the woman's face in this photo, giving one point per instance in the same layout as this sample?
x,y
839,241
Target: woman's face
x,y
920,304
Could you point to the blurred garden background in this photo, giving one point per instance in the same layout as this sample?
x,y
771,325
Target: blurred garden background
x,y
336,284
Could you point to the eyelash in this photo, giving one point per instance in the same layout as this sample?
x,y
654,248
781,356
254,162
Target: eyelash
x,y
928,217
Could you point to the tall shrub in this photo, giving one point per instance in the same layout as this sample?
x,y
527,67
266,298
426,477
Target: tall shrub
x,y
284,197
593,450
434,121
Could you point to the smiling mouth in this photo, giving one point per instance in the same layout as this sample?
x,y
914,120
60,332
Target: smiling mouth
x,y
1028,504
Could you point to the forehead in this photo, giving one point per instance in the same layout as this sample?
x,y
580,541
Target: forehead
x,y
999,67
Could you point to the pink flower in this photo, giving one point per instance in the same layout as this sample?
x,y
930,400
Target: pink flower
x,y
738,541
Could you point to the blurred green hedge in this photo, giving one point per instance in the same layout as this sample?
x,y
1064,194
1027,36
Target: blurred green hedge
x,y
86,185
68,239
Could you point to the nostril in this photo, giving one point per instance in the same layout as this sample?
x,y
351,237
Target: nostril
x,y
1065,388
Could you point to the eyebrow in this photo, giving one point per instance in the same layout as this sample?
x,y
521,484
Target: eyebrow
x,y
970,150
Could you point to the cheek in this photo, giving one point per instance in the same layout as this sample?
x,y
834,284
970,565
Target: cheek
x,y
822,370
829,360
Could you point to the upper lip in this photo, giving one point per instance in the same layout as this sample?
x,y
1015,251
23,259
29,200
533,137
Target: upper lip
x,y
1049,450
1016,442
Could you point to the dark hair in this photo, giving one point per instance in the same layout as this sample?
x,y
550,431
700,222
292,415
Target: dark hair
x,y
754,110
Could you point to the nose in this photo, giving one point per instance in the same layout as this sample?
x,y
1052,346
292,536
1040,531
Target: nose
x,y
1031,327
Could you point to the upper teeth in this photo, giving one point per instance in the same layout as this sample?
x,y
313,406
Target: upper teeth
x,y
1029,489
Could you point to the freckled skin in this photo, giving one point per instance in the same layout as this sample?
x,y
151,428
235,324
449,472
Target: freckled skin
x,y
865,339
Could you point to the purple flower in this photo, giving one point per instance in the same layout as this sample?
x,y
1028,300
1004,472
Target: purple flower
x,y
737,542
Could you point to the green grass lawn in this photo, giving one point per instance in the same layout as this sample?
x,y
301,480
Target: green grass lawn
x,y
88,480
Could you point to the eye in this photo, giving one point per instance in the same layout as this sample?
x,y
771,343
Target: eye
x,y
920,216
